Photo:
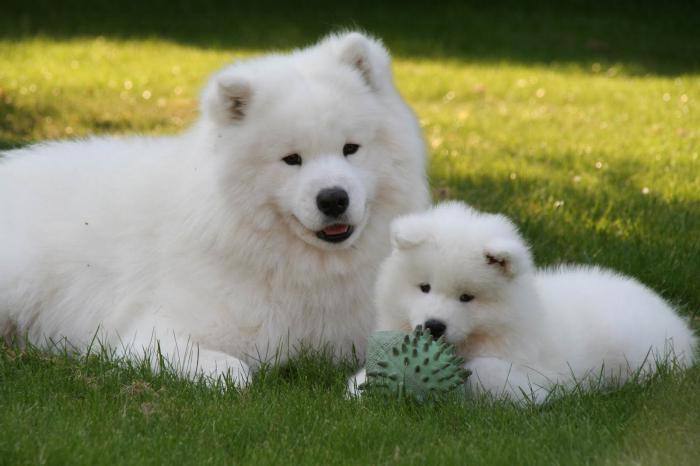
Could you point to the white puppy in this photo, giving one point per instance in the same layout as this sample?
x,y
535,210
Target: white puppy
x,y
469,276
259,229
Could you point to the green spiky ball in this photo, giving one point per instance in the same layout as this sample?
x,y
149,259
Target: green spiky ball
x,y
413,365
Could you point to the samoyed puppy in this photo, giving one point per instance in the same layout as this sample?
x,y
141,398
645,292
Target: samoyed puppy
x,y
469,276
258,230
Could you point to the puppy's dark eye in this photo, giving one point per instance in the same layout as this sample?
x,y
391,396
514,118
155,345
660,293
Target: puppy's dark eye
x,y
350,148
425,287
465,298
292,159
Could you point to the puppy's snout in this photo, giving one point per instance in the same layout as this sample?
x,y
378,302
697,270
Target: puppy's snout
x,y
332,201
436,327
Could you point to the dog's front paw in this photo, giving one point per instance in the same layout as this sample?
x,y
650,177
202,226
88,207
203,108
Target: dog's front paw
x,y
353,388
220,367
503,379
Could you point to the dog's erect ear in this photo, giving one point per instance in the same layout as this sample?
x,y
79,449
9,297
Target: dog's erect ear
x,y
367,56
227,97
509,256
408,232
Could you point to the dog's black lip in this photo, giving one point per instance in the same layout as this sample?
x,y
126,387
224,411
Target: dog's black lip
x,y
336,238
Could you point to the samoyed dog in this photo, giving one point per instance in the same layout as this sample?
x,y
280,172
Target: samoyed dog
x,y
469,276
258,230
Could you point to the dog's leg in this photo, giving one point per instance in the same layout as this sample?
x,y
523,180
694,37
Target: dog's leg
x,y
354,383
168,350
216,365
503,379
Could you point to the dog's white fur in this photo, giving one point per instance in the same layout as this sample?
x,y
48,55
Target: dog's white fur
x,y
525,331
207,240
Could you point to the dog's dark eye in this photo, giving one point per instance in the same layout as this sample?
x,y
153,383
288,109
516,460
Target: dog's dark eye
x,y
349,149
465,298
425,287
292,159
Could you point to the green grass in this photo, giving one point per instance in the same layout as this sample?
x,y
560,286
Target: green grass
x,y
582,122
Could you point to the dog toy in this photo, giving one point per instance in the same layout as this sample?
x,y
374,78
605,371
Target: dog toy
x,y
413,365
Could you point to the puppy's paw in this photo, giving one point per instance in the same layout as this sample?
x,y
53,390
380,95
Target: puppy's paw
x,y
502,379
354,383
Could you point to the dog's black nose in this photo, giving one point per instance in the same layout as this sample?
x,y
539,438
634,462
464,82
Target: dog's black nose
x,y
437,327
332,201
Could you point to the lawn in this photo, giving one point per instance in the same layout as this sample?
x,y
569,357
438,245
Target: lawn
x,y
582,122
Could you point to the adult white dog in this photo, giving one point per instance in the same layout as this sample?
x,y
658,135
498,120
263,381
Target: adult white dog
x,y
469,276
260,228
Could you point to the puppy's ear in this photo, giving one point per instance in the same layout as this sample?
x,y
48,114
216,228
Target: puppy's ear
x,y
367,56
508,256
408,232
227,97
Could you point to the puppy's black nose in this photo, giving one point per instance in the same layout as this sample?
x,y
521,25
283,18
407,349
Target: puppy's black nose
x,y
332,201
437,327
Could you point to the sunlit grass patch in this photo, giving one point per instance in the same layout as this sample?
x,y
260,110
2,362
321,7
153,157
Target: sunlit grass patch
x,y
72,88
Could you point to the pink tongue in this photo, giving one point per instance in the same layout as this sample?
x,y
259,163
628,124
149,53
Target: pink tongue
x,y
336,229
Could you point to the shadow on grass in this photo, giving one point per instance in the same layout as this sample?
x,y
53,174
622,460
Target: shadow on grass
x,y
644,36
8,143
27,118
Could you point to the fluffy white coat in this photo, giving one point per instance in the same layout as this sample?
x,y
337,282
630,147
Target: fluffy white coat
x,y
522,331
207,242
